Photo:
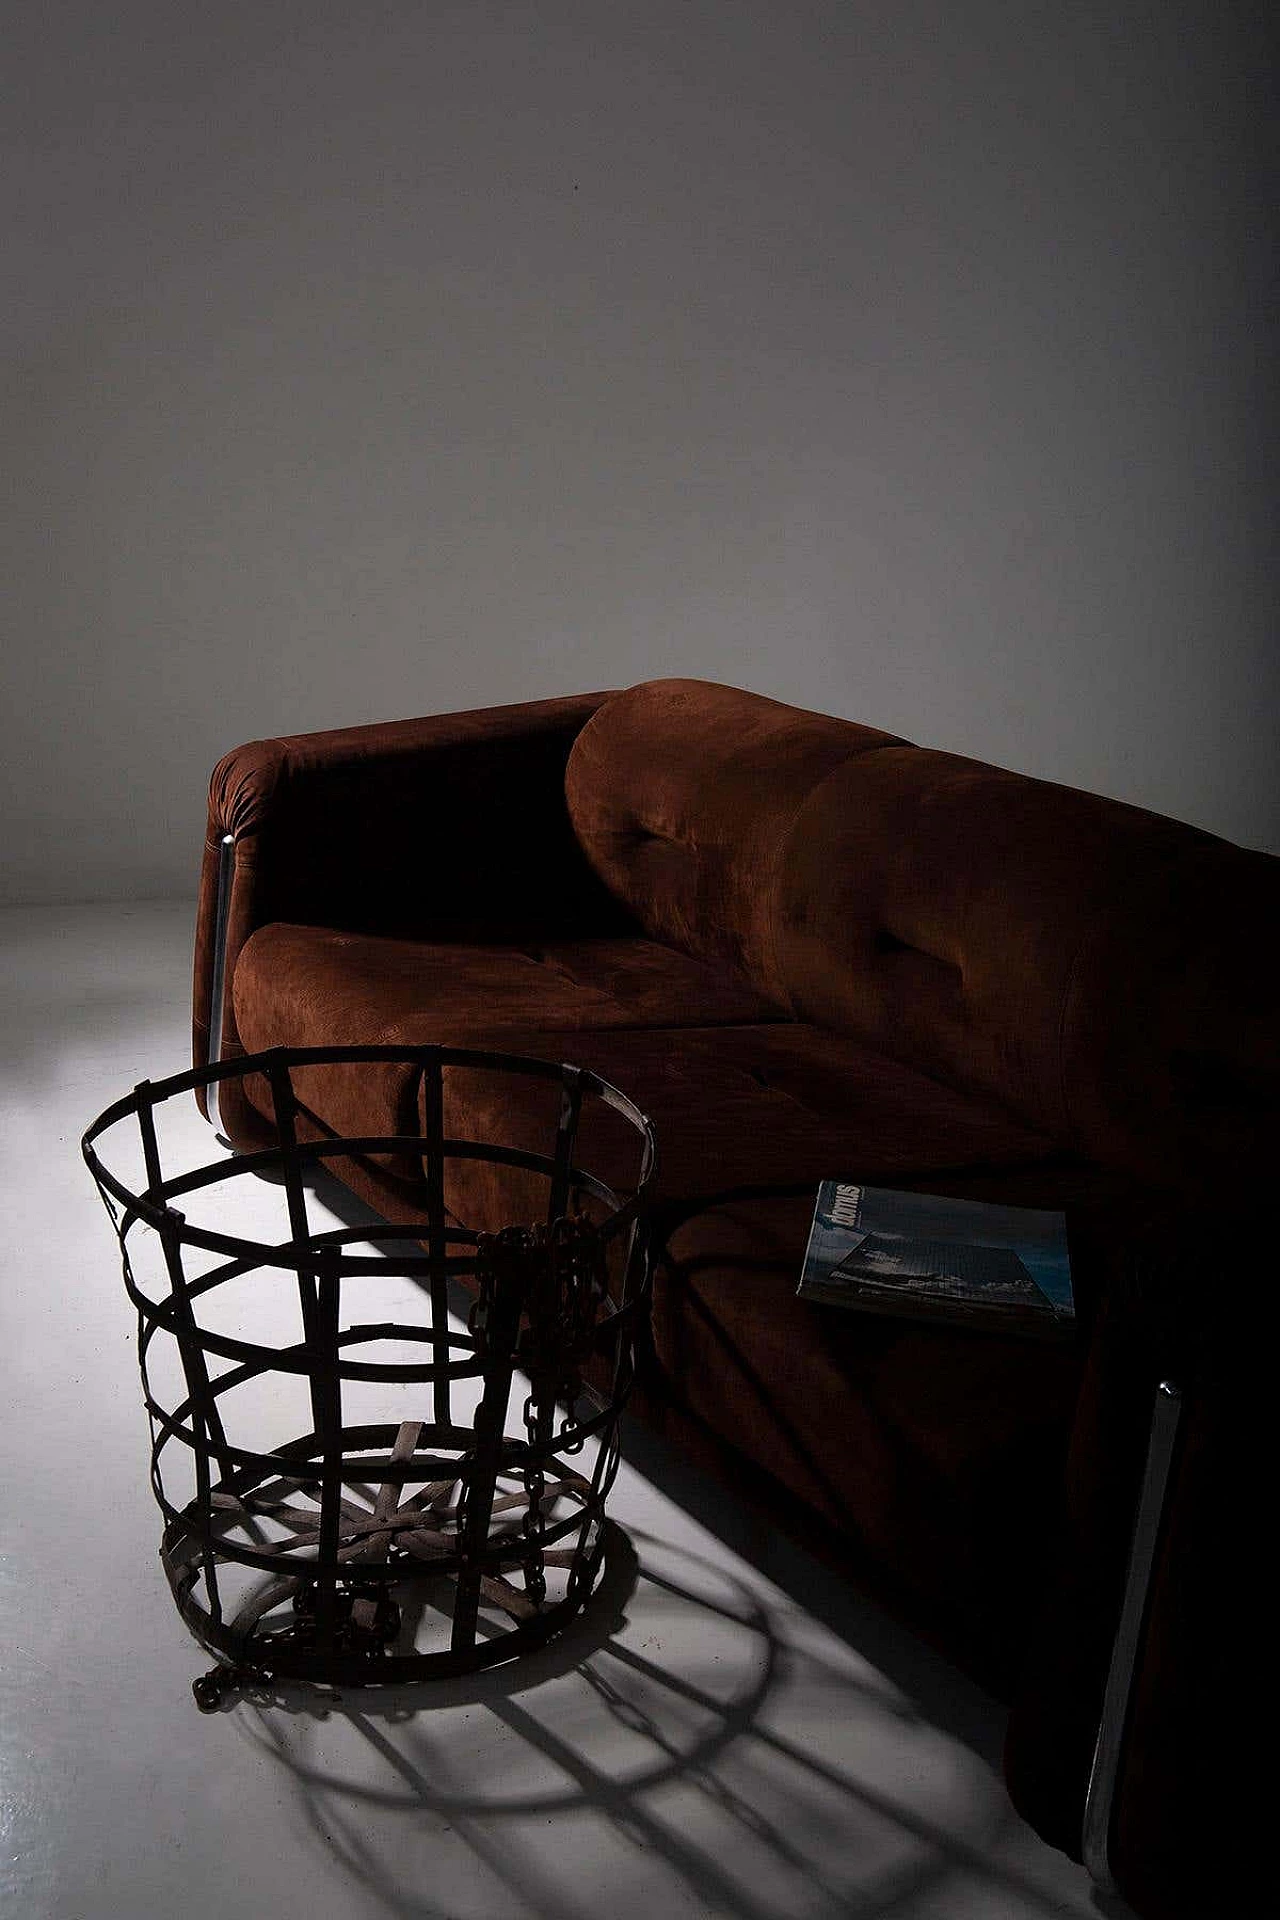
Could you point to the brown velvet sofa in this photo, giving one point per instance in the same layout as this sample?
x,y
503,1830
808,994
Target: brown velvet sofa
x,y
808,948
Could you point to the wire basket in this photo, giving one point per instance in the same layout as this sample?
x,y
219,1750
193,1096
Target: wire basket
x,y
379,1458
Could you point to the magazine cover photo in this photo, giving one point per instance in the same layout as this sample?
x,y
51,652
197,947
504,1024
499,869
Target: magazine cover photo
x,y
920,1254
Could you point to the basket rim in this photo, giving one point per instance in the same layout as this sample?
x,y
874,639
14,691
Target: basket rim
x,y
152,1205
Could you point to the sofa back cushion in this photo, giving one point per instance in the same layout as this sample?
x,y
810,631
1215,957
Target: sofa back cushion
x,y
683,794
1106,973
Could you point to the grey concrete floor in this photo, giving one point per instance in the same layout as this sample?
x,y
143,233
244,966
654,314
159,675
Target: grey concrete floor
x,y
728,1731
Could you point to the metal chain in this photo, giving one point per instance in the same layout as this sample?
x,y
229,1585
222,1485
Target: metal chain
x,y
560,1271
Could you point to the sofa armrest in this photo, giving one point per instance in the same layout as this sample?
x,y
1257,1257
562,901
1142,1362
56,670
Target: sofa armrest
x,y
449,827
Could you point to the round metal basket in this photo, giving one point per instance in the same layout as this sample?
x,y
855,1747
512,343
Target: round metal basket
x,y
437,1502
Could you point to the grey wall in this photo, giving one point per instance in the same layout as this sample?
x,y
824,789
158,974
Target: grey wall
x,y
905,361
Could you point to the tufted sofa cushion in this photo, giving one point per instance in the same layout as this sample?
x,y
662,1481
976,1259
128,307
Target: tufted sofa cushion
x,y
1103,972
683,795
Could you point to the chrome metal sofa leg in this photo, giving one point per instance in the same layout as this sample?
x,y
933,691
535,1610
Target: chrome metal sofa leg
x,y
1105,1771
218,983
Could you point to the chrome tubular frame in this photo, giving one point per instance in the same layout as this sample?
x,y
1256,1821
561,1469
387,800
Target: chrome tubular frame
x,y
1105,1772
218,984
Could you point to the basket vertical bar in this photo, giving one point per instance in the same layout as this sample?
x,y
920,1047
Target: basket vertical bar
x,y
284,1106
480,1475
326,1389
433,1171
566,1140
206,1424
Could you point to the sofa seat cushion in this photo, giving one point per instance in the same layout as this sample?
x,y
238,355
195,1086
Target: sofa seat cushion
x,y
737,1098
760,1105
304,986
322,986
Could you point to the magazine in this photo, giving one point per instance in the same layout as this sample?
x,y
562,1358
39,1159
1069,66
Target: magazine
x,y
957,1262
